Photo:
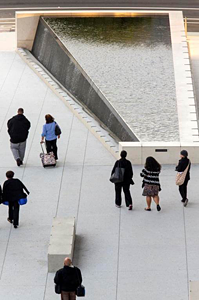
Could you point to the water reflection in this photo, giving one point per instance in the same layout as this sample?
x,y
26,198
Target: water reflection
x,y
130,60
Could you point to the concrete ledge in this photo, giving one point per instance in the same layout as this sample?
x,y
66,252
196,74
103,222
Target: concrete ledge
x,y
194,290
165,153
61,244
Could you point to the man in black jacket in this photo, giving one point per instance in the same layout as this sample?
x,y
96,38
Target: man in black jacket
x,y
182,165
69,278
13,191
18,128
128,174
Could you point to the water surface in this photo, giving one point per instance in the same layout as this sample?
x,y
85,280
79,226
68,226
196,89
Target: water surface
x,y
130,60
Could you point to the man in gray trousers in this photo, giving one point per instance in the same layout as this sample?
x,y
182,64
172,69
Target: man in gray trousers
x,y
18,128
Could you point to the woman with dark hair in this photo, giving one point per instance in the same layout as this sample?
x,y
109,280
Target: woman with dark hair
x,y
49,133
151,182
125,184
184,162
13,191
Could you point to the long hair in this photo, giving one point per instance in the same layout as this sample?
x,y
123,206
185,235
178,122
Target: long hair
x,y
151,164
49,119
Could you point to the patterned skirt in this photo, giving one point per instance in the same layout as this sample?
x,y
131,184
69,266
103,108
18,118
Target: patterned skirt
x,y
150,190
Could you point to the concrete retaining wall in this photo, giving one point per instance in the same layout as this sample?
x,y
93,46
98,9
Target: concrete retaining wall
x,y
50,51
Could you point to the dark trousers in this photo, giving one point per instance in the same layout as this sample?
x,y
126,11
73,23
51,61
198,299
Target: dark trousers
x,y
13,212
183,190
118,196
51,146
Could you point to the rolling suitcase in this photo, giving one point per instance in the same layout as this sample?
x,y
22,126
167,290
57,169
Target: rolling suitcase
x,y
47,159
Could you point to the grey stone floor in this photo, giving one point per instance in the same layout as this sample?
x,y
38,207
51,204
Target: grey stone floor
x,y
122,254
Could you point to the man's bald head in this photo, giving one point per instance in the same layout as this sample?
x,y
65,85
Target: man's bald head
x,y
67,261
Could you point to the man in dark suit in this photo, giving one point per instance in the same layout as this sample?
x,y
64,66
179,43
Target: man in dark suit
x,y
127,181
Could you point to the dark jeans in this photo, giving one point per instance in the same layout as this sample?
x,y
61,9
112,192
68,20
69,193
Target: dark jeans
x,y
13,212
51,146
118,196
183,190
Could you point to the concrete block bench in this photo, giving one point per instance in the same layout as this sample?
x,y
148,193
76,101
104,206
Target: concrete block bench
x,y
61,244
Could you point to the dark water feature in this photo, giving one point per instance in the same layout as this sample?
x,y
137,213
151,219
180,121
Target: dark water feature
x,y
130,60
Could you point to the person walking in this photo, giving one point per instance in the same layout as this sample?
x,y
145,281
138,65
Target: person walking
x,y
49,133
18,129
181,167
68,278
151,182
13,191
125,184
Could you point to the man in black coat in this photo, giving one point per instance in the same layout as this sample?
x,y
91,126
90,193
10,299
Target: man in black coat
x,y
13,191
128,175
18,129
69,278
182,165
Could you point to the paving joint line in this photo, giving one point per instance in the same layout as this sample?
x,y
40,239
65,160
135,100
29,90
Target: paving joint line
x,y
185,241
63,167
82,174
118,252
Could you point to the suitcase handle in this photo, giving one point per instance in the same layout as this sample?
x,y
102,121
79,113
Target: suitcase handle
x,y
42,148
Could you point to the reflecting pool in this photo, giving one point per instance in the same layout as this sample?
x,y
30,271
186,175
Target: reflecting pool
x,y
130,60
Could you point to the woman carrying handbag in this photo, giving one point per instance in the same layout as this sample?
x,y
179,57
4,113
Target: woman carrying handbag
x,y
183,175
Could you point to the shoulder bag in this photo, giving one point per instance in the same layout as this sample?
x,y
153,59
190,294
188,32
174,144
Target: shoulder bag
x,y
118,175
57,288
57,129
180,176
80,291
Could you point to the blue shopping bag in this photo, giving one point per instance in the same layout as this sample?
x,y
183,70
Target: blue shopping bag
x,y
22,201
6,203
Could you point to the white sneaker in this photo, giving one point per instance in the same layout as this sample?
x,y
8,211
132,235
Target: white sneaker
x,y
118,206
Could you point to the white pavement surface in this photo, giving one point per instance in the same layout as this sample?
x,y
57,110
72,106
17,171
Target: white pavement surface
x,y
123,255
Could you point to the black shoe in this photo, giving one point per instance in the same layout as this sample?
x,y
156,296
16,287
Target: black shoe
x,y
183,200
130,207
21,162
18,162
158,208
186,202
15,226
10,221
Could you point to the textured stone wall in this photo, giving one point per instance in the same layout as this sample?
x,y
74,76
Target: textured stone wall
x,y
54,56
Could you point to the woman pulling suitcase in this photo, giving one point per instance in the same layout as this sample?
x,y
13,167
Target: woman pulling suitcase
x,y
51,131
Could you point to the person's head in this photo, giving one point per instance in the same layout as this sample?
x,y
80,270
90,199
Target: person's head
x,y
123,154
20,111
67,261
10,174
151,164
49,119
183,154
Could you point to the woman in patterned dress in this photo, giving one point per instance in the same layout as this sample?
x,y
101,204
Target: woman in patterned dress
x,y
151,183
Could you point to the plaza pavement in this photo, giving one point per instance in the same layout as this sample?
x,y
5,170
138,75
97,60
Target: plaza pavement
x,y
122,254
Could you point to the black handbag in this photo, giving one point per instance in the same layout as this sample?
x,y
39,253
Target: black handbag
x,y
57,288
80,291
57,129
118,175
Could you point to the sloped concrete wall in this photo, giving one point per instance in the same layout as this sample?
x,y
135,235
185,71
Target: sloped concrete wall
x,y
54,56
